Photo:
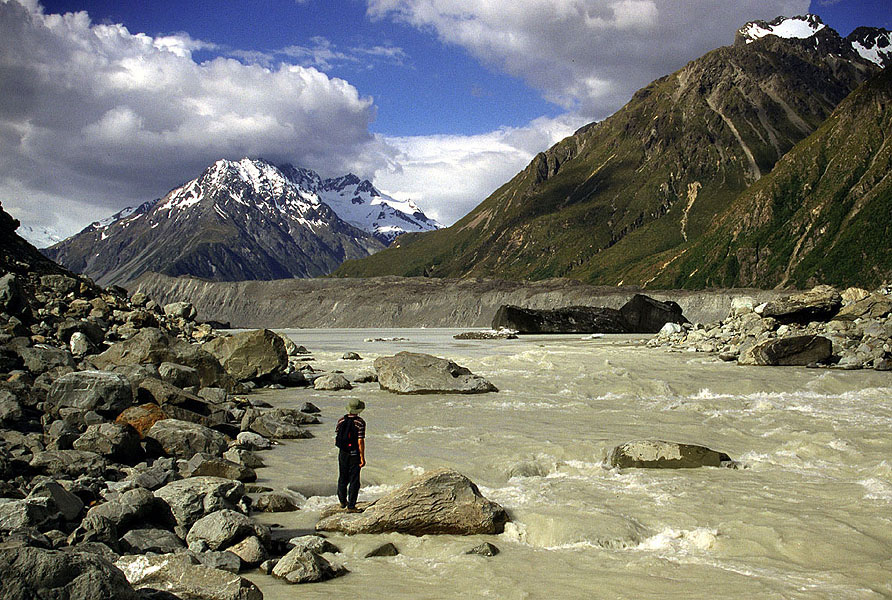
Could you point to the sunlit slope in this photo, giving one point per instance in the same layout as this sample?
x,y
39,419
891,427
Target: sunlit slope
x,y
601,204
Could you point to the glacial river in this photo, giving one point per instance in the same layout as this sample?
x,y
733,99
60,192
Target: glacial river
x,y
808,515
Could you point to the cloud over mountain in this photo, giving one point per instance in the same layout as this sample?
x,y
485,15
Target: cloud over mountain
x,y
585,55
91,113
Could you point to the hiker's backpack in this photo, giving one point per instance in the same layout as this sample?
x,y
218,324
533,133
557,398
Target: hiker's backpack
x,y
346,436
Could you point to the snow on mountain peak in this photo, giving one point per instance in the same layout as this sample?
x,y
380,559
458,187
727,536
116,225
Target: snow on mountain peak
x,y
800,27
873,44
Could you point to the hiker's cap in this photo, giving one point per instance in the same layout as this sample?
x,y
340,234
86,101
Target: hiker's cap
x,y
355,406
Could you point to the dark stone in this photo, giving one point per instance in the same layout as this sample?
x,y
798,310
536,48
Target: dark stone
x,y
30,573
159,541
183,439
646,315
388,549
572,319
111,440
69,464
818,304
41,358
214,466
100,391
484,549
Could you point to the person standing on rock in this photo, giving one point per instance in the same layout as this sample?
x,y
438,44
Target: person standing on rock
x,y
350,440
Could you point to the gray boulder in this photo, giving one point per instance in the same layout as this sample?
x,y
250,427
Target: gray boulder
x,y
818,304
657,454
253,441
106,522
250,355
571,319
414,373
332,382
178,403
798,350
182,310
181,575
69,464
274,502
241,456
195,497
313,543
279,423
35,512
184,439
111,440
223,528
69,505
178,375
439,502
42,358
215,466
10,408
29,573
251,551
101,391
158,541
12,298
219,559
152,346
303,566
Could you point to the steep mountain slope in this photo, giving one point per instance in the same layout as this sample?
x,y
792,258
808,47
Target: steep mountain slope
x,y
238,220
653,176
823,215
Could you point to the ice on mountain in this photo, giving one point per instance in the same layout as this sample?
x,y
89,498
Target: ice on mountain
x,y
801,27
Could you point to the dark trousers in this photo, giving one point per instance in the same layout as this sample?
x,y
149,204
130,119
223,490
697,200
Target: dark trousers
x,y
348,478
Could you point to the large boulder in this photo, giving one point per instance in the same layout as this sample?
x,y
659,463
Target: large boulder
x,y
42,358
214,466
223,528
181,575
192,498
30,512
12,298
250,355
571,319
69,464
106,522
415,373
183,439
874,306
100,391
153,346
158,541
646,315
279,423
438,502
657,454
111,440
141,418
303,566
178,375
178,403
29,573
800,350
818,304
69,505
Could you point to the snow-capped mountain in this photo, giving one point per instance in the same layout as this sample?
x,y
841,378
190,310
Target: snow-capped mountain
x,y
240,220
40,237
360,204
871,43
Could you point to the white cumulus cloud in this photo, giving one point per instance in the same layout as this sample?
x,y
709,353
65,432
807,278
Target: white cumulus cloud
x,y
94,117
585,55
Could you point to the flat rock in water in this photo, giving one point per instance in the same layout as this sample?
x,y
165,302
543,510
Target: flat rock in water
x,y
303,566
657,454
414,373
179,575
800,350
439,502
571,319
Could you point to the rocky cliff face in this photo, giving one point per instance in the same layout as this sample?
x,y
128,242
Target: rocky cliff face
x,y
599,205
404,302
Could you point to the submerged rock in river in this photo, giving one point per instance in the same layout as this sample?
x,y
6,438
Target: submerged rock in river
x,y
657,454
414,373
438,502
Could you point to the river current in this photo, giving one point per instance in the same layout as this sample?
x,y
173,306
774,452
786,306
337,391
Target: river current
x,y
807,515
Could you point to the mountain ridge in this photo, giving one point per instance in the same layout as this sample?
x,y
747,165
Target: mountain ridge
x,y
649,178
246,219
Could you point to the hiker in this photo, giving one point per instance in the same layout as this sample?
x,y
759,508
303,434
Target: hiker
x,y
350,440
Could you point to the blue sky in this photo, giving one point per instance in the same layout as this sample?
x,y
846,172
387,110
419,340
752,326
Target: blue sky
x,y
440,101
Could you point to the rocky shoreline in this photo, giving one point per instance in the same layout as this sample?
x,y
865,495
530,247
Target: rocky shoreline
x,y
823,327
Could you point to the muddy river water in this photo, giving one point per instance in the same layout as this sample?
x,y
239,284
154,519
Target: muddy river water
x,y
808,515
